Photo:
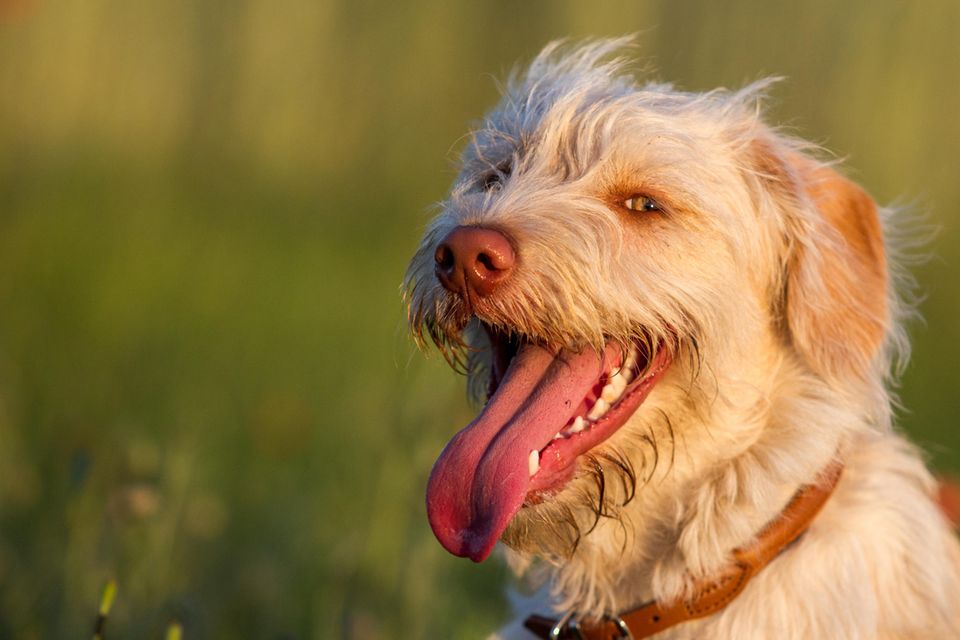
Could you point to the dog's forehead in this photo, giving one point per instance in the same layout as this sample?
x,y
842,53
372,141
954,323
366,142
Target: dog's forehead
x,y
522,118
619,121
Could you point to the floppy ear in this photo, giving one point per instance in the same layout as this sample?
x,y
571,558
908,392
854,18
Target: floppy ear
x,y
835,287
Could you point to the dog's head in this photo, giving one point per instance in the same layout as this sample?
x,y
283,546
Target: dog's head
x,y
605,246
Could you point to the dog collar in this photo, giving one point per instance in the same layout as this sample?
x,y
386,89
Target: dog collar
x,y
710,595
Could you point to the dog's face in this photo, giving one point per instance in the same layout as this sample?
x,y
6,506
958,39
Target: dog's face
x,y
602,247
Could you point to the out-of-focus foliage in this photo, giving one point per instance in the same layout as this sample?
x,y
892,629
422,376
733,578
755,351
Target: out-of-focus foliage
x,y
206,391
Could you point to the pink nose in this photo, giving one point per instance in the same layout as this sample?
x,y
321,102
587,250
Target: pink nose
x,y
474,261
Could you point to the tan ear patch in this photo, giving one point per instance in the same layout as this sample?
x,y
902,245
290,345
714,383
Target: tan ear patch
x,y
836,287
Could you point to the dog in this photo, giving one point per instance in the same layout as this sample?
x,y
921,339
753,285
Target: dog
x,y
682,325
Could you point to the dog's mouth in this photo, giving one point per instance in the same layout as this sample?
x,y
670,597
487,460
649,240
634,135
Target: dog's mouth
x,y
546,407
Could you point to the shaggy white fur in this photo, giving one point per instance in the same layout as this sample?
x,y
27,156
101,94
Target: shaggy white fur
x,y
766,274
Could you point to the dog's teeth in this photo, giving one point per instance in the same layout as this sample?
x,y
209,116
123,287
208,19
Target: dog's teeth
x,y
533,462
620,382
609,394
613,389
598,409
579,424
630,364
558,436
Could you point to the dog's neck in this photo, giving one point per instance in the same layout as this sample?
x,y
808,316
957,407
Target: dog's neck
x,y
695,510
713,594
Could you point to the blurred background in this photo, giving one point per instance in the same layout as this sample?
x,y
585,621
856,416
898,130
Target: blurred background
x,y
206,389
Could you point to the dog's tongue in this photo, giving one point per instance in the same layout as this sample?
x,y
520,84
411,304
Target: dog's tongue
x,y
482,477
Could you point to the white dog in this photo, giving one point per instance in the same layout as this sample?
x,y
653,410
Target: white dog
x,y
681,325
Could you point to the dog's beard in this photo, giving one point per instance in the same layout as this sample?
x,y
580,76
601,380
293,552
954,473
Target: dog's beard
x,y
606,482
607,478
443,320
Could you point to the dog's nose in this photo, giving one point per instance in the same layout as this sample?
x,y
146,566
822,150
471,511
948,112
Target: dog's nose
x,y
474,260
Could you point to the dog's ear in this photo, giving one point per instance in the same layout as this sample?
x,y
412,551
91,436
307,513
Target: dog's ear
x,y
834,292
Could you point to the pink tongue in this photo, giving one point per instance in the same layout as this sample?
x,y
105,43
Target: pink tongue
x,y
481,479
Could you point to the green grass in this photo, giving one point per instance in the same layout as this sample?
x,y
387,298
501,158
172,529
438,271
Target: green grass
x,y
206,391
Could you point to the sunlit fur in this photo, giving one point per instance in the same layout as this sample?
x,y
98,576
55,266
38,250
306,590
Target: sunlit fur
x,y
781,309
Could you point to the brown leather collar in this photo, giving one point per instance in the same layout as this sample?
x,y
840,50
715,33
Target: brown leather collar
x,y
710,595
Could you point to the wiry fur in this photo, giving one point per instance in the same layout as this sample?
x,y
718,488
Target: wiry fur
x,y
764,276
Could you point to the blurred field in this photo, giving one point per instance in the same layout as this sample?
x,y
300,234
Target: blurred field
x,y
206,391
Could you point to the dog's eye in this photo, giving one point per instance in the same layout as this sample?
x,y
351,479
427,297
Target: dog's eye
x,y
492,181
641,203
